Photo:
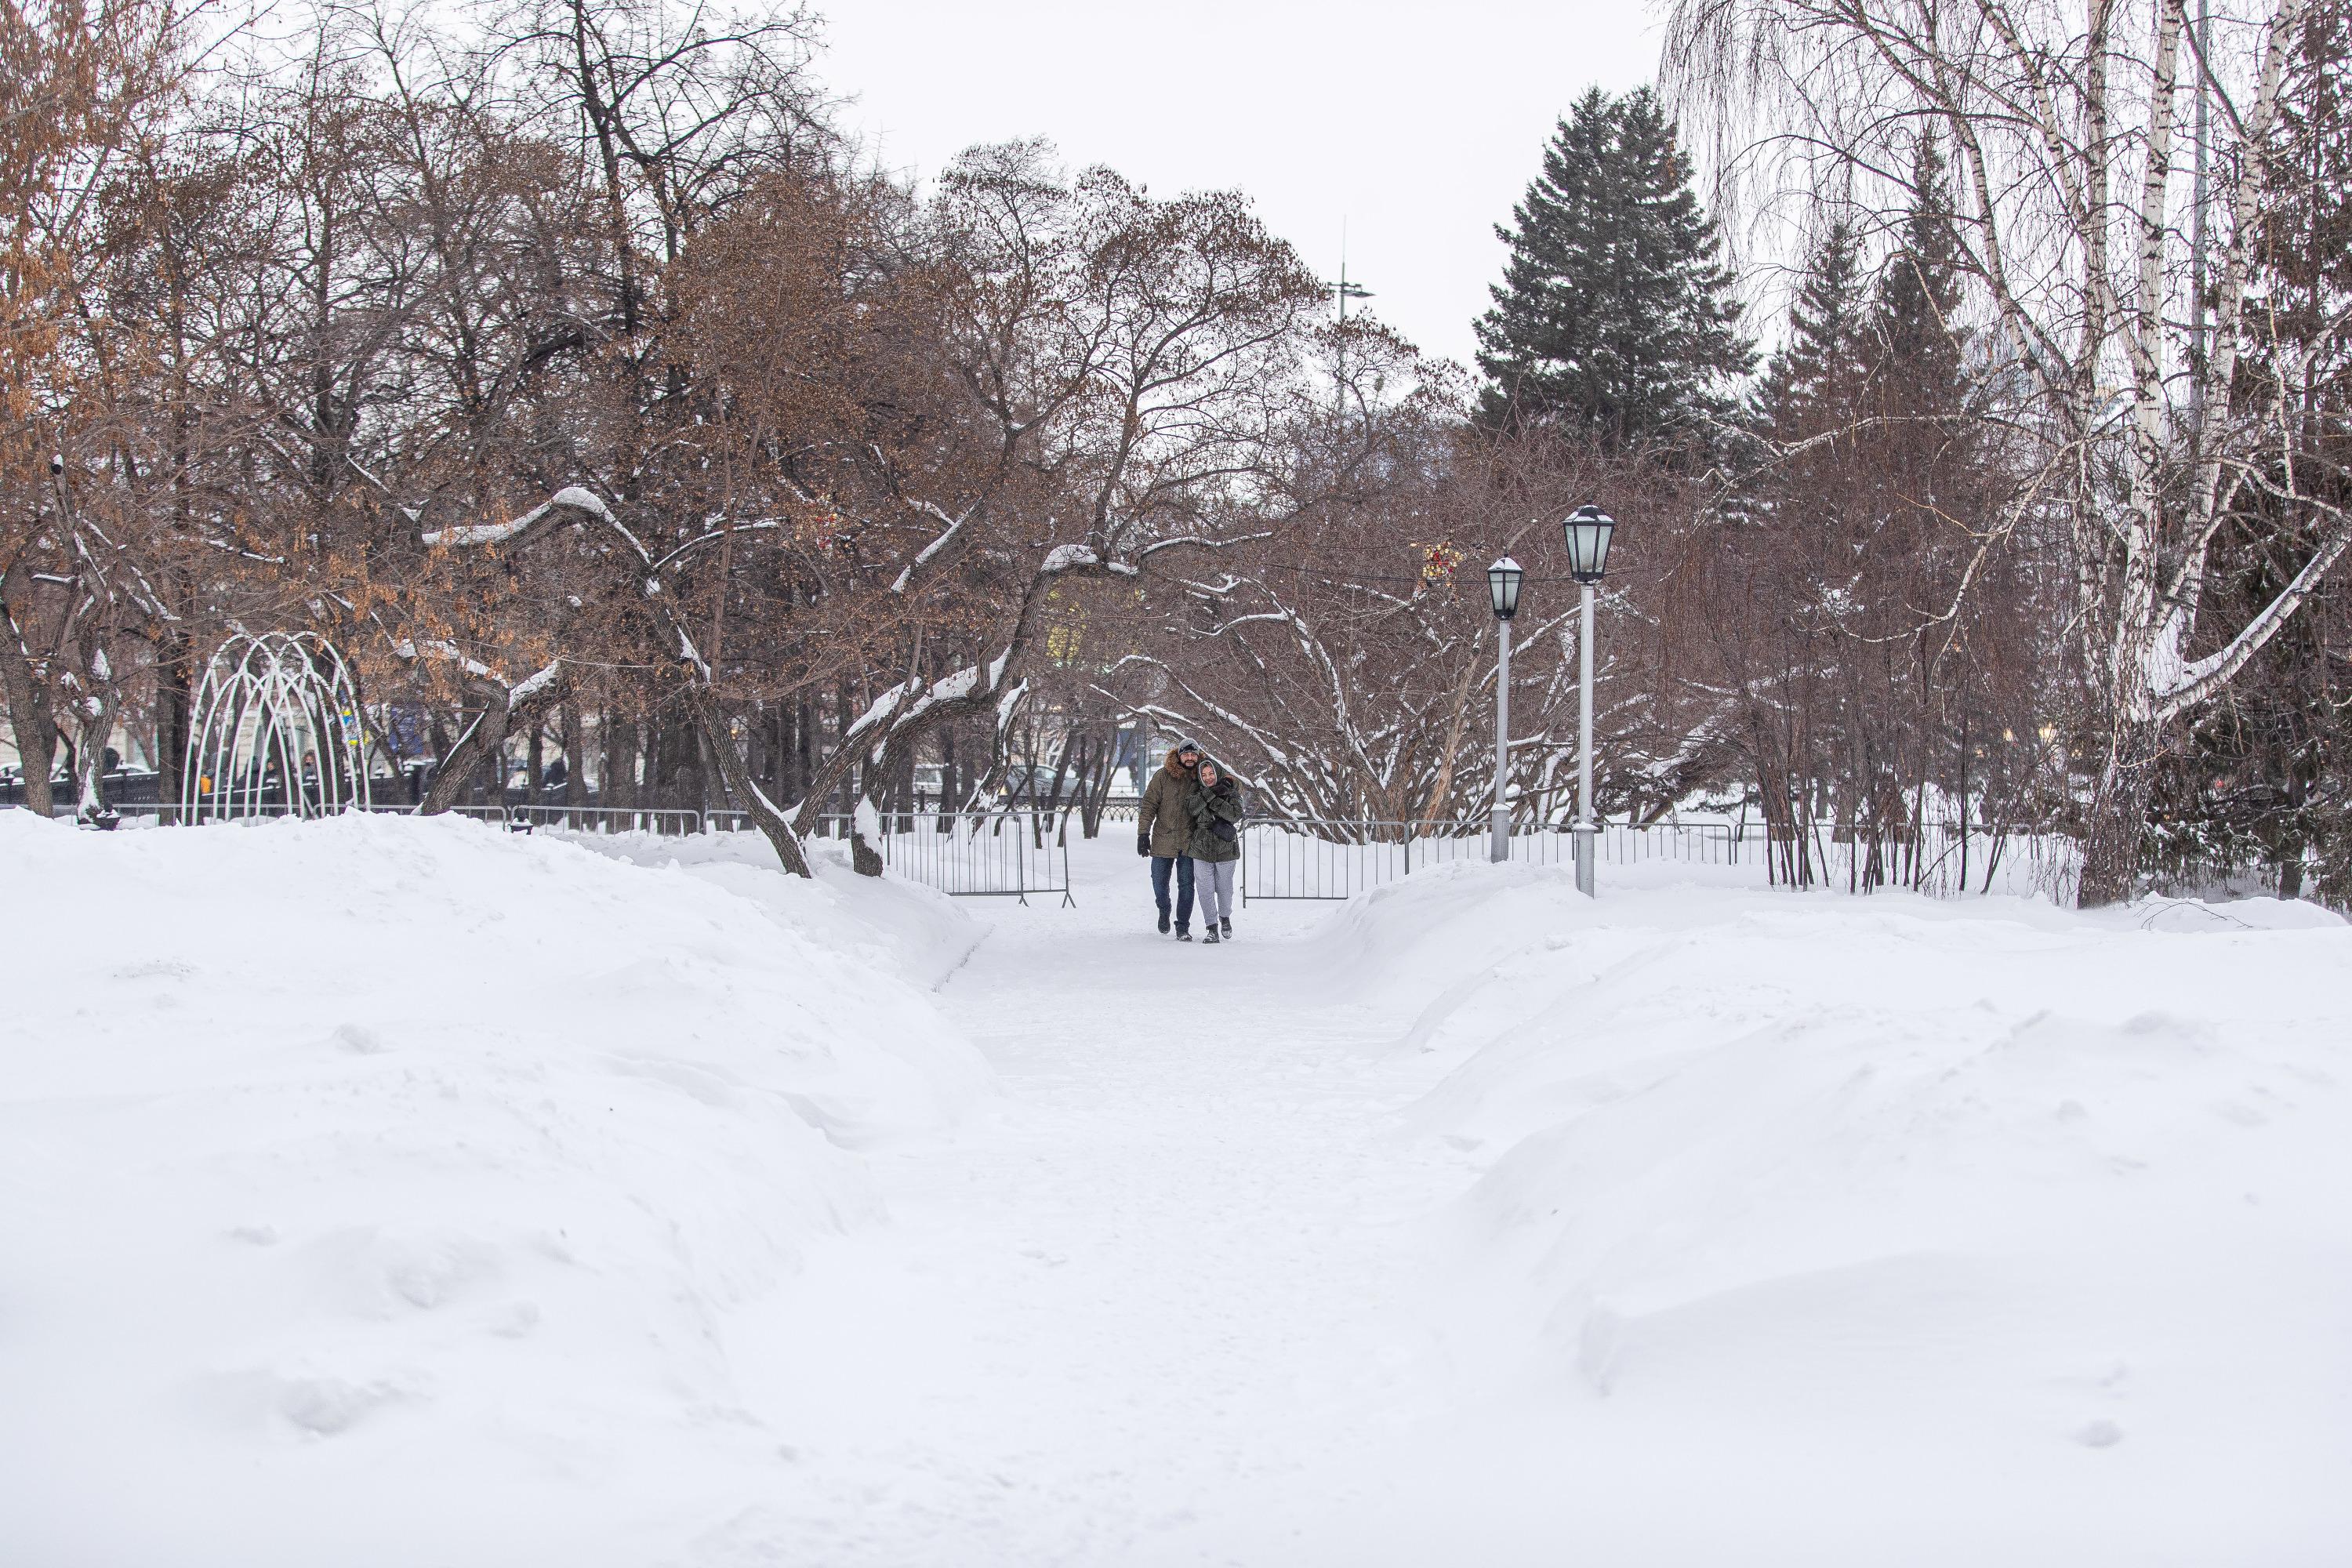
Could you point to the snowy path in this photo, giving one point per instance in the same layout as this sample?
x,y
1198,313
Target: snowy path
x,y
1165,1276
1487,1225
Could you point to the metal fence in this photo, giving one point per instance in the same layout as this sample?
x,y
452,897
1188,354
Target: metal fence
x,y
668,821
174,813
1310,858
966,854
975,854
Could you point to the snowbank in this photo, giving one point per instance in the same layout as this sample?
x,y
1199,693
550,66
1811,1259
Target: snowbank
x,y
380,1190
887,919
1834,1230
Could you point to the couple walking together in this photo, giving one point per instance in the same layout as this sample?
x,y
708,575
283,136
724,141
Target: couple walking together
x,y
1190,824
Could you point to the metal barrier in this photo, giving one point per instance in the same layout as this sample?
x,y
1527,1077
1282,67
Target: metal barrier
x,y
1311,858
174,813
666,821
1015,853
976,853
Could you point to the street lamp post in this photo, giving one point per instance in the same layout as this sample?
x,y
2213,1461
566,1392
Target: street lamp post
x,y
1589,530
1503,579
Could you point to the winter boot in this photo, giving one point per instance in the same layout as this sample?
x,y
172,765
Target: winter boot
x,y
1163,922
1227,927
1209,937
1183,935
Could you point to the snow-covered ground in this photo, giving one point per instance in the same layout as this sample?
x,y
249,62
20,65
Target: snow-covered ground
x,y
376,1191
1822,1230
392,1193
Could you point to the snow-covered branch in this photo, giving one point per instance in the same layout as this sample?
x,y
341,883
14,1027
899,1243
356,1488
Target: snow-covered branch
x,y
571,499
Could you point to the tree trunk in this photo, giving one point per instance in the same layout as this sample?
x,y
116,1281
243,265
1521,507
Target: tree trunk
x,y
31,719
485,740
172,698
96,723
653,756
620,762
575,759
864,858
951,775
779,753
765,814
845,714
804,743
2118,811
37,740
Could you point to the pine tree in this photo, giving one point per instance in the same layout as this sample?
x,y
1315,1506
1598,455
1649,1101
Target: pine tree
x,y
1921,342
1616,315
1813,381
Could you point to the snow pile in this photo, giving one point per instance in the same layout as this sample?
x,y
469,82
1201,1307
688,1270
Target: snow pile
x,y
380,1190
888,921
1891,1229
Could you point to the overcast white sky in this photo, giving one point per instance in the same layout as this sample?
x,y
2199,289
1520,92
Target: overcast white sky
x,y
1418,124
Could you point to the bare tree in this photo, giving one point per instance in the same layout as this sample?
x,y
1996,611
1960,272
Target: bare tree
x,y
2064,129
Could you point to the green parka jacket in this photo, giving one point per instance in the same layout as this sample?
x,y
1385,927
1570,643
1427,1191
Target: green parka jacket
x,y
1216,813
1161,826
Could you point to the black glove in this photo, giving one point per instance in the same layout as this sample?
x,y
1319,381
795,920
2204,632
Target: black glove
x,y
1143,844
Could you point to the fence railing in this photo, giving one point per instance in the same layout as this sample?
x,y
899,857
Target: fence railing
x,y
1016,852
966,854
977,854
1311,858
668,821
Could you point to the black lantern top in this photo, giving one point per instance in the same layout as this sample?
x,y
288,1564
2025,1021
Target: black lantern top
x,y
1503,579
1588,528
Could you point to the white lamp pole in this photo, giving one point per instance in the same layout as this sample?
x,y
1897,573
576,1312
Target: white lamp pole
x,y
1584,825
1590,530
1503,580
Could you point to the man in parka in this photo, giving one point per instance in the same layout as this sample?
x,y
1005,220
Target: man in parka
x,y
1163,830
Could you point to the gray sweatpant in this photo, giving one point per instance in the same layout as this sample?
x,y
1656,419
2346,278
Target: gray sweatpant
x,y
1214,880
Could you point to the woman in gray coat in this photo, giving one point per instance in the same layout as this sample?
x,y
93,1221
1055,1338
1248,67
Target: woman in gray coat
x,y
1214,804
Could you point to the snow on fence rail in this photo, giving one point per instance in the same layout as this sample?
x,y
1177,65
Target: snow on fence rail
x,y
1327,859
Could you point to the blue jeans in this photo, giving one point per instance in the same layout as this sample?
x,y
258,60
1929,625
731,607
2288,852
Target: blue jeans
x,y
1183,866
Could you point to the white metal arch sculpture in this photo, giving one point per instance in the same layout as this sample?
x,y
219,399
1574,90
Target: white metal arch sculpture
x,y
275,731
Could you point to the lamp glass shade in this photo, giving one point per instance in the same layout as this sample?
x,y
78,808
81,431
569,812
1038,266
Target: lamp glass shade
x,y
1589,530
1503,579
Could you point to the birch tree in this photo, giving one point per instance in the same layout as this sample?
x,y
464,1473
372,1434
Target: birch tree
x,y
2076,214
